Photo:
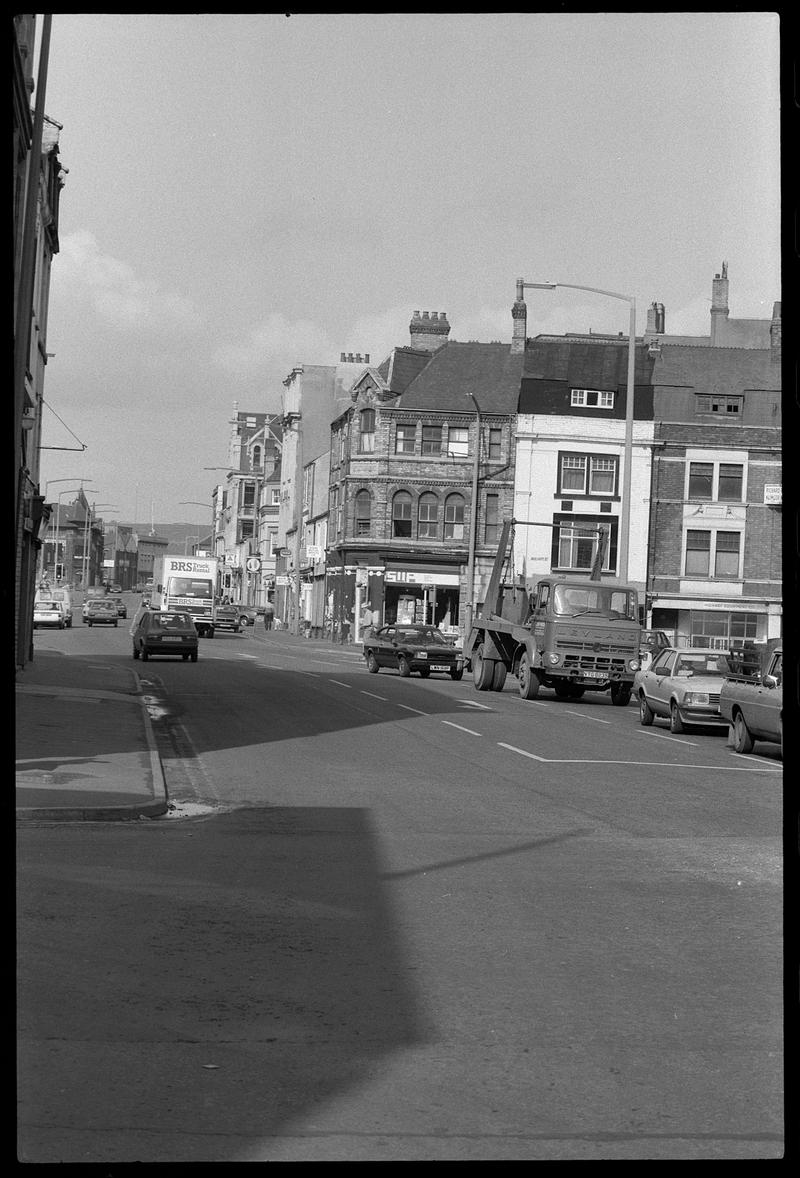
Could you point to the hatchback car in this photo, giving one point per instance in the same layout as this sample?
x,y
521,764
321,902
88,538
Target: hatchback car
x,y
101,612
48,613
122,609
227,618
162,632
683,687
405,648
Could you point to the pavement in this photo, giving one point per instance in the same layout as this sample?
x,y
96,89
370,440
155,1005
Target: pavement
x,y
85,747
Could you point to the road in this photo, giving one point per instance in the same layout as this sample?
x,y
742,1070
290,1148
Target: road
x,y
395,919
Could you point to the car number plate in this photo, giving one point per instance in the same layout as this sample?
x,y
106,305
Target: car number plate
x,y
439,667
171,638
594,675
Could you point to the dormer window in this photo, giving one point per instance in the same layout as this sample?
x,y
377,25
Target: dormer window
x,y
591,399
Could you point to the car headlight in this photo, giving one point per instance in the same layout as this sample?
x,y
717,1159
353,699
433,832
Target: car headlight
x,y
633,664
696,697
552,658
420,654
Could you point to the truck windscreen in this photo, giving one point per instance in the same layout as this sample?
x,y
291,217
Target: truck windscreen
x,y
190,587
572,600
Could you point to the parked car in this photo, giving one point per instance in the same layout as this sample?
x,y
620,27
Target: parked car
x,y
683,687
48,613
162,632
248,614
751,700
115,589
227,618
122,609
93,593
406,648
101,612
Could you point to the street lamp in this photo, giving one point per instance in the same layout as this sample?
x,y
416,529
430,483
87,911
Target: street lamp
x,y
72,479
66,491
86,532
625,521
473,530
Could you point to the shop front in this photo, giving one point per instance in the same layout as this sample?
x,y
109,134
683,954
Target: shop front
x,y
718,625
422,594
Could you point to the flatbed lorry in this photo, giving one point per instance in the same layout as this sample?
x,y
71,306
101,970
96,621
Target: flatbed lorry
x,y
572,634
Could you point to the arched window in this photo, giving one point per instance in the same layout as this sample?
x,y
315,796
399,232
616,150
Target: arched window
x,y
454,517
256,457
401,514
362,513
428,516
367,434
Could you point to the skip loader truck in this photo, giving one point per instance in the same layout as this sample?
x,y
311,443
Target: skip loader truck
x,y
573,634
188,584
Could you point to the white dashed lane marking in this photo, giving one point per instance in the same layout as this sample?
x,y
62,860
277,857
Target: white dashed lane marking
x,y
461,728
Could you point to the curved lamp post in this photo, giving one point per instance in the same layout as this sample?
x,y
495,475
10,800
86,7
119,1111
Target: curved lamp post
x,y
86,534
66,491
625,520
469,607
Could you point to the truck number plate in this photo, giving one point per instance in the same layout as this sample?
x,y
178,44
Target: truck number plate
x,y
594,675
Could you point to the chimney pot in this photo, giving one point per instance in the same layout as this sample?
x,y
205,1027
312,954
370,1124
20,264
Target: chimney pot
x,y
366,357
342,358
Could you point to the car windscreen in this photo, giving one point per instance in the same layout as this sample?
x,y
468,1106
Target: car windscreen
x,y
700,664
190,587
427,636
605,600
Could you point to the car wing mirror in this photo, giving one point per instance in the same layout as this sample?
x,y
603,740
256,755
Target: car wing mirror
x,y
770,681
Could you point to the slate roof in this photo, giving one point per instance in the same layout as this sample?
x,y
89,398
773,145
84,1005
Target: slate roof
x,y
489,371
403,365
734,368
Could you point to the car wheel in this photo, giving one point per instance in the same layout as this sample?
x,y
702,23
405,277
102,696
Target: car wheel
x,y
742,737
115,625
135,653
404,666
194,657
528,679
244,620
210,633
424,672
89,625
675,721
646,714
482,671
620,694
458,674
145,655
185,657
372,663
499,676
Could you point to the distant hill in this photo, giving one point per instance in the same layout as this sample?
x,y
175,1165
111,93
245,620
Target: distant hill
x,y
177,534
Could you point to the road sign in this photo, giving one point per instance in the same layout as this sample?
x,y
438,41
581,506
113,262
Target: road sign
x,y
253,564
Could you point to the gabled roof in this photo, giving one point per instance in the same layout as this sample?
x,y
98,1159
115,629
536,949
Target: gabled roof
x,y
585,363
489,371
403,365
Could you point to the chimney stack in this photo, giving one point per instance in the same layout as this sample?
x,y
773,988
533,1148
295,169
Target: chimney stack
x,y
519,313
775,333
429,331
719,306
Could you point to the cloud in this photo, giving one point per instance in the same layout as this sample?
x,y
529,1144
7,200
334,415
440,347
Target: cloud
x,y
277,344
115,292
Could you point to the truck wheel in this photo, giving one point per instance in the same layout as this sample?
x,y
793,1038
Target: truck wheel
x,y
646,714
742,738
499,676
372,663
482,670
621,694
404,666
528,679
675,721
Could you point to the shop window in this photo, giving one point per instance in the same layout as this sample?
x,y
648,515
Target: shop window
x,y
458,442
720,630
363,513
454,517
405,438
431,439
491,530
401,514
428,517
367,434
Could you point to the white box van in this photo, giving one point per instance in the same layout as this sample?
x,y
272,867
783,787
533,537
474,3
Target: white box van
x,y
64,597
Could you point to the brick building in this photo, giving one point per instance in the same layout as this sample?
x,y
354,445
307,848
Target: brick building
x,y
403,459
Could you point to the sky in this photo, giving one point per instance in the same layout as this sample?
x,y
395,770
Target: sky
x,y
251,192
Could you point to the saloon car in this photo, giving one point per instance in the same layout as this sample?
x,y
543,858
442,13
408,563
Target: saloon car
x,y
101,612
48,613
407,648
164,632
682,686
227,618
122,609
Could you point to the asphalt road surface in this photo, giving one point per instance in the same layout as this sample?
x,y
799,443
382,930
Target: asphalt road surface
x,y
395,919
